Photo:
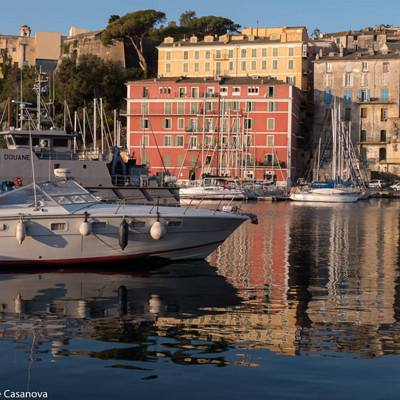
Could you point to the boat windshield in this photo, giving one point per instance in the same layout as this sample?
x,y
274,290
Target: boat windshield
x,y
62,192
66,192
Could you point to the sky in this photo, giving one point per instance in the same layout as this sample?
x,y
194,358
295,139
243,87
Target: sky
x,y
327,16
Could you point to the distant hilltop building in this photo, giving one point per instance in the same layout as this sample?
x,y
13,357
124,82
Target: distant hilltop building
x,y
25,50
81,42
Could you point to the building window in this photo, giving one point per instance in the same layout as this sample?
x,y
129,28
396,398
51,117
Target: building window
x,y
185,67
363,112
167,141
181,108
252,90
254,65
168,55
208,54
264,65
254,53
167,123
144,123
363,135
223,91
347,96
243,53
217,53
207,66
383,136
291,52
270,124
197,55
186,55
248,123
384,95
274,64
167,108
196,67
271,91
145,108
365,65
145,92
328,96
385,79
291,80
243,66
385,67
182,92
364,79
236,92
167,160
348,67
218,68
363,95
181,123
180,141
230,65
328,81
194,108
348,80
328,67
272,106
290,64
230,54
168,67
270,141
193,142
275,52
382,154
250,106
384,114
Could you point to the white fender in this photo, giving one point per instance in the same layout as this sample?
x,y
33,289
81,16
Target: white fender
x,y
158,230
20,233
85,229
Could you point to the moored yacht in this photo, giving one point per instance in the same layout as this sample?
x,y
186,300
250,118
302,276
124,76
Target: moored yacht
x,y
58,221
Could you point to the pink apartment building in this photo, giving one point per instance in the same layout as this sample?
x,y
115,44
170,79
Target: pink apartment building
x,y
237,127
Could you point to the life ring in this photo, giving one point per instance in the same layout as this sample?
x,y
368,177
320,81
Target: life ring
x,y
18,181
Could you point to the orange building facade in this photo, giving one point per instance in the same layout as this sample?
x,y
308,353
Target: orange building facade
x,y
236,127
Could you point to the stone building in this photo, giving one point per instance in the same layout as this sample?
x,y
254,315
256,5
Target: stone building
x,y
365,86
81,43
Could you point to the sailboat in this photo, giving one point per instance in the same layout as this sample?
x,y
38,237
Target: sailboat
x,y
343,165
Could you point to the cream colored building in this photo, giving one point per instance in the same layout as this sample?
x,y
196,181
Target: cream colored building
x,y
281,53
25,50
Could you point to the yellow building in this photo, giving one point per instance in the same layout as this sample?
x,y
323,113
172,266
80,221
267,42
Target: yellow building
x,y
25,50
278,52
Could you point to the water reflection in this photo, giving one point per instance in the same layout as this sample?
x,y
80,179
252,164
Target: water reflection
x,y
308,280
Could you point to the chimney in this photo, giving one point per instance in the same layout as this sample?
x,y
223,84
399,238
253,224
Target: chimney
x,y
341,51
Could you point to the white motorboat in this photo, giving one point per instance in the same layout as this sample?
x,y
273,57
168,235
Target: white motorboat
x,y
212,192
58,221
325,195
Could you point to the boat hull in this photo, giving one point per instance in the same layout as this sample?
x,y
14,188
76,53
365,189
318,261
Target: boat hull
x,y
325,196
187,238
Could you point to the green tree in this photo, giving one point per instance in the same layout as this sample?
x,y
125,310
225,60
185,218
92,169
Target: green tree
x,y
79,80
211,25
132,29
186,17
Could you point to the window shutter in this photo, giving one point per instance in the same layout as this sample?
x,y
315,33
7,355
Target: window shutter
x,y
359,94
368,94
141,123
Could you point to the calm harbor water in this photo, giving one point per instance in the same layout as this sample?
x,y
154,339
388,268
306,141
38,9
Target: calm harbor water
x,y
305,305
